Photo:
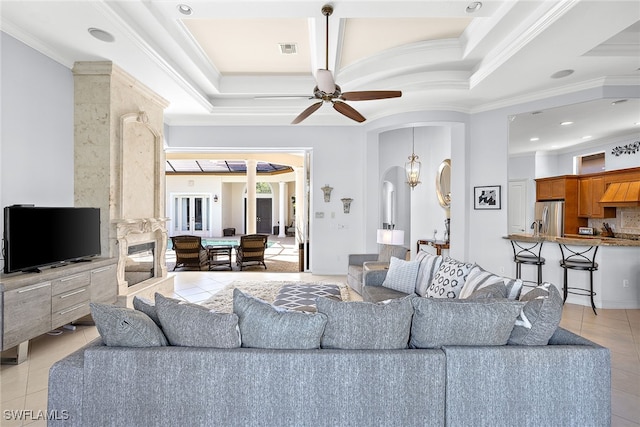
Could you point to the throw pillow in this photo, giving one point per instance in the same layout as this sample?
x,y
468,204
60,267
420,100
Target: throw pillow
x,y
539,317
366,326
265,326
495,291
479,278
191,325
449,279
126,327
401,275
441,322
429,264
146,306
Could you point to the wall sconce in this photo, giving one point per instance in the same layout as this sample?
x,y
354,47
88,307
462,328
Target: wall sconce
x,y
215,198
412,167
327,192
346,204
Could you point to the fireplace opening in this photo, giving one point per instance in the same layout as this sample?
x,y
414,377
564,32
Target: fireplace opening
x,y
140,263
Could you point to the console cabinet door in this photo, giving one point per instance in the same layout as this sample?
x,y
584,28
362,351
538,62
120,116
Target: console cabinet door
x,y
104,284
27,313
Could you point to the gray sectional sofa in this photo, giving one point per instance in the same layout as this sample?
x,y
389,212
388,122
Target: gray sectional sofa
x,y
381,369
566,383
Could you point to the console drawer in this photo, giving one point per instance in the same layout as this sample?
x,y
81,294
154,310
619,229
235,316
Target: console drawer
x,y
73,297
66,284
69,314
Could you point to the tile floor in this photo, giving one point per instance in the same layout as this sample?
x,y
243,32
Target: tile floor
x,y
24,387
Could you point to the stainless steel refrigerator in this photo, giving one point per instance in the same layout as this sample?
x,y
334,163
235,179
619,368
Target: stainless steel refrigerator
x,y
550,216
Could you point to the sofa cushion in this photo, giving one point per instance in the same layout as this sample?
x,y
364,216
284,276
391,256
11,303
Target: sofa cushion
x,y
479,278
366,326
146,306
429,265
191,325
388,251
401,275
380,293
265,326
126,327
539,317
495,291
449,279
440,322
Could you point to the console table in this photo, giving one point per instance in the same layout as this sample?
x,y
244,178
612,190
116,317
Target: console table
x,y
32,304
438,244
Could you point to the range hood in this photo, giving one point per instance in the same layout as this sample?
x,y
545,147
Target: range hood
x,y
622,194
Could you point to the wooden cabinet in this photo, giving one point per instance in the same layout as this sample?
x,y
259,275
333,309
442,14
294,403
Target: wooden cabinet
x,y
550,189
590,192
32,304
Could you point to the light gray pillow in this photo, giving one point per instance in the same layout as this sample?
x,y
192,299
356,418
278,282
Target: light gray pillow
x,y
191,325
365,325
479,278
449,279
265,326
146,306
401,275
495,291
540,316
441,322
126,327
429,264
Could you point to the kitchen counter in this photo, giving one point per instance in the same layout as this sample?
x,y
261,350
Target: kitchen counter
x,y
576,239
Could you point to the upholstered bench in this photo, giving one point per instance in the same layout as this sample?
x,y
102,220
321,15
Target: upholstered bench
x,y
302,297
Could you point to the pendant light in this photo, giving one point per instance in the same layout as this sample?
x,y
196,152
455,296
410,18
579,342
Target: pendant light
x,y
412,167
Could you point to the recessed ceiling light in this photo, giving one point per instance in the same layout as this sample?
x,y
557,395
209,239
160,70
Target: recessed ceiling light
x,y
474,7
185,9
535,138
101,35
562,73
288,48
567,123
586,137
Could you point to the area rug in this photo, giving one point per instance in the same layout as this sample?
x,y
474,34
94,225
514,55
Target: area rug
x,y
265,290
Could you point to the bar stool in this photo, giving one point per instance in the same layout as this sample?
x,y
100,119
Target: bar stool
x,y
528,253
579,257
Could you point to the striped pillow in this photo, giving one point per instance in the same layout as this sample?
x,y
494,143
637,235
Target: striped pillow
x,y
429,264
479,278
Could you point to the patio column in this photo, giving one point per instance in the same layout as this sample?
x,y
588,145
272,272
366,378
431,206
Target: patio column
x,y
251,196
282,204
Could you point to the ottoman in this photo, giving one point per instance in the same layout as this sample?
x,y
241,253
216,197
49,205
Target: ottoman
x,y
302,296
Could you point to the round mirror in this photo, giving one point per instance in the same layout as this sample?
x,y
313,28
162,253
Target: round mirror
x,y
443,184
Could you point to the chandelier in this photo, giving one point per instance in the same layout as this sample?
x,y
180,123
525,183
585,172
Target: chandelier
x,y
412,167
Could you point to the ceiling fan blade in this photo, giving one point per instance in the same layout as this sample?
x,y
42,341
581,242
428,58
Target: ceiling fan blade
x,y
348,111
367,95
306,113
325,81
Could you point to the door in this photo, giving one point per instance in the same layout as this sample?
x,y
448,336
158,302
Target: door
x,y
191,214
517,213
263,216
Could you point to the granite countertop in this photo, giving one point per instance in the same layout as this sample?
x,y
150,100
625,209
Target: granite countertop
x,y
577,239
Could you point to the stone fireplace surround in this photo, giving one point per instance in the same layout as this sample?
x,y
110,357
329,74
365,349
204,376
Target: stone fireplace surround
x,y
119,167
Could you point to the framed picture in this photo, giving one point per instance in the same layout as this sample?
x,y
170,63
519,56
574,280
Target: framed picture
x,y
486,197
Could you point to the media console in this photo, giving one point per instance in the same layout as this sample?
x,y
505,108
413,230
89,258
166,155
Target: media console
x,y
32,304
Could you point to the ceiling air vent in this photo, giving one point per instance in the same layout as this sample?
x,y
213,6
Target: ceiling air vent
x,y
288,48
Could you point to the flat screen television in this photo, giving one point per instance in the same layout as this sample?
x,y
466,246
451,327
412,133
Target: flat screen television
x,y
45,236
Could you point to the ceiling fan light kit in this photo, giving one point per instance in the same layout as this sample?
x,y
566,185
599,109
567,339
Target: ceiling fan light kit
x,y
327,90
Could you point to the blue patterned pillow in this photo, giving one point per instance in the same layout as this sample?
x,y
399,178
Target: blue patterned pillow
x,y
449,279
402,275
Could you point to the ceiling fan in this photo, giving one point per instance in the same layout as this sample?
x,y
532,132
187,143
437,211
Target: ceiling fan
x,y
328,91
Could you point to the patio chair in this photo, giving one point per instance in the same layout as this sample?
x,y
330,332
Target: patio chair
x,y
190,252
251,249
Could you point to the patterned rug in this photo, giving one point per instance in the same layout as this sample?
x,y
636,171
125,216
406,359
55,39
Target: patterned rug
x,y
267,291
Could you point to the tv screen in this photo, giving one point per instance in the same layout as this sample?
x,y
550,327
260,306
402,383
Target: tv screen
x,y
41,236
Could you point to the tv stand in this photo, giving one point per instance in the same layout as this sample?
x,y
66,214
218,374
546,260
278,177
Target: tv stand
x,y
32,304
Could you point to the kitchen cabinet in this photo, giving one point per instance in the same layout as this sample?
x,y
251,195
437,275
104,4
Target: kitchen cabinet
x,y
550,189
590,192
562,188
